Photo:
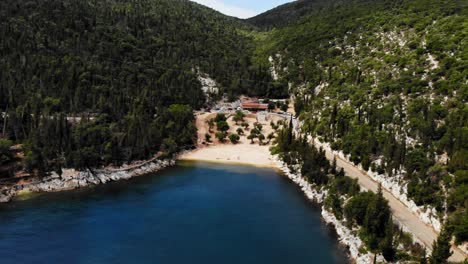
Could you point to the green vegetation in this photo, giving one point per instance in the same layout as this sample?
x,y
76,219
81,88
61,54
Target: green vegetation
x,y
5,153
234,138
207,137
252,136
366,211
441,248
383,81
221,123
239,117
261,137
87,83
289,13
271,136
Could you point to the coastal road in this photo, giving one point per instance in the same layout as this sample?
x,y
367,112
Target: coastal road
x,y
251,153
401,213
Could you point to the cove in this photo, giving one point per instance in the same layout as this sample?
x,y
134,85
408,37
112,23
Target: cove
x,y
191,213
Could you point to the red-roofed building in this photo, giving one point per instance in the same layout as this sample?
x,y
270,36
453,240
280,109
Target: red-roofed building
x,y
254,106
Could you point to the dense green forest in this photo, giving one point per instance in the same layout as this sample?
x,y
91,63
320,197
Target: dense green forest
x,y
385,82
290,13
126,69
86,83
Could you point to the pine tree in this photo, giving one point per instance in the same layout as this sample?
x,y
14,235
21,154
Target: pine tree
x,y
341,173
387,247
441,248
290,132
333,166
376,219
423,259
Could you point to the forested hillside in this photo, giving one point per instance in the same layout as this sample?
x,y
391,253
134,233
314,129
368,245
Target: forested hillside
x,y
290,13
127,69
86,83
386,82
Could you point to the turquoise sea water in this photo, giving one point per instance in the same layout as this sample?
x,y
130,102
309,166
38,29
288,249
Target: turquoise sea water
x,y
192,213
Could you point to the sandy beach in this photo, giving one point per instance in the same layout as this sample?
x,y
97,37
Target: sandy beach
x,y
254,154
251,154
241,153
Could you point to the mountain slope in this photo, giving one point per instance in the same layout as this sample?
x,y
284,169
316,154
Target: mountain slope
x,y
287,13
86,83
299,10
386,83
122,63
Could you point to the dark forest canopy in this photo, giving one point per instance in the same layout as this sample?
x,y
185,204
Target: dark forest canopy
x,y
81,51
125,68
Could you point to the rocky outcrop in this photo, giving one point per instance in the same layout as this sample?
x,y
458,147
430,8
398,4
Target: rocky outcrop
x,y
72,179
6,193
309,190
348,238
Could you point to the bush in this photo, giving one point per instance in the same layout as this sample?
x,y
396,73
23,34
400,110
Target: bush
x,y
346,186
459,160
334,203
222,126
6,155
220,136
459,225
234,138
355,209
220,117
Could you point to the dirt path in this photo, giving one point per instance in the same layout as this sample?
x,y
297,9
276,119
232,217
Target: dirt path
x,y
402,214
202,126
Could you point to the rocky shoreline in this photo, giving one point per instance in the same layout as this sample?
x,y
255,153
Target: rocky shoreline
x,y
72,179
397,187
345,236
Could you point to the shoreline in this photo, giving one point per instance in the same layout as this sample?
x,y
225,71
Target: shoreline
x,y
344,236
230,162
243,153
219,154
72,179
232,154
417,220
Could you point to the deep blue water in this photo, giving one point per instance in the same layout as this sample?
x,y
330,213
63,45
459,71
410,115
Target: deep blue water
x,y
192,213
